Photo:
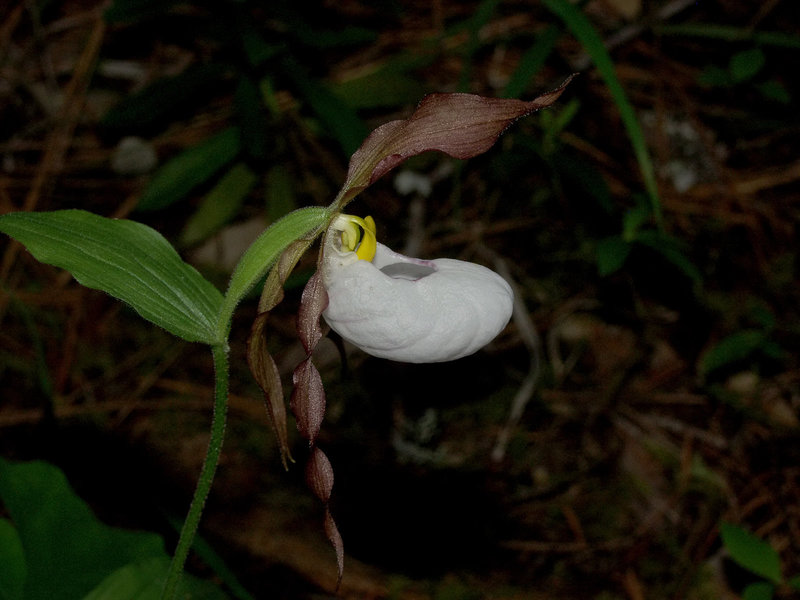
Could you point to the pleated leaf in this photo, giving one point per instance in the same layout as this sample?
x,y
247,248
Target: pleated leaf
x,y
127,260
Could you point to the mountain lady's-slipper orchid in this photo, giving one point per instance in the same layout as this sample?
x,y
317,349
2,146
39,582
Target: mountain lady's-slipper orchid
x,y
406,309
389,305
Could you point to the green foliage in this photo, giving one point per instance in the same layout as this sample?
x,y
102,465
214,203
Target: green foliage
x,y
746,64
753,343
732,349
336,116
67,550
263,253
743,68
144,580
13,570
555,122
586,34
612,252
54,547
751,552
209,556
279,193
760,558
220,205
127,260
761,590
189,169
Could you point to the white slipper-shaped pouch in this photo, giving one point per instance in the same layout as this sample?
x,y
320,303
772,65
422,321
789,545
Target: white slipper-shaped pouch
x,y
406,309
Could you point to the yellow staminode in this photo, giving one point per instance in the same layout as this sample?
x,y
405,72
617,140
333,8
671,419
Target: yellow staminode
x,y
351,235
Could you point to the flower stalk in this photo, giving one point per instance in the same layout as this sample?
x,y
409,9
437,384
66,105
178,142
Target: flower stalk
x,y
206,479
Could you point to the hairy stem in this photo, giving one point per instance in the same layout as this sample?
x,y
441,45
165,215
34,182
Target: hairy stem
x,y
221,376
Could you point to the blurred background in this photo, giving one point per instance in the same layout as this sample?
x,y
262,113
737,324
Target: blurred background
x,y
646,393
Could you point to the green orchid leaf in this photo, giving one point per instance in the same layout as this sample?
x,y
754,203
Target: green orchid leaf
x,y
67,549
13,569
189,169
460,125
305,222
751,552
220,205
127,260
144,580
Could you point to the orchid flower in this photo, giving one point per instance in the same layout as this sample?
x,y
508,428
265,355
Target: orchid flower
x,y
389,305
406,309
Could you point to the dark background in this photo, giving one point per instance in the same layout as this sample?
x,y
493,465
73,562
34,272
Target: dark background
x,y
665,370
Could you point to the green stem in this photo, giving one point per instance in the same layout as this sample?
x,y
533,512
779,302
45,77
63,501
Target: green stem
x,y
221,377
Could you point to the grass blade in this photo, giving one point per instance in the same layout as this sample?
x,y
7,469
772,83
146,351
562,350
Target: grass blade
x,y
586,34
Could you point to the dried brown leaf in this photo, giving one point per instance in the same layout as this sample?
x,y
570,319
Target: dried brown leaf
x,y
261,363
272,293
266,374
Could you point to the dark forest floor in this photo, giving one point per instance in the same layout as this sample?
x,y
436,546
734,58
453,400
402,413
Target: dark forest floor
x,y
665,389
